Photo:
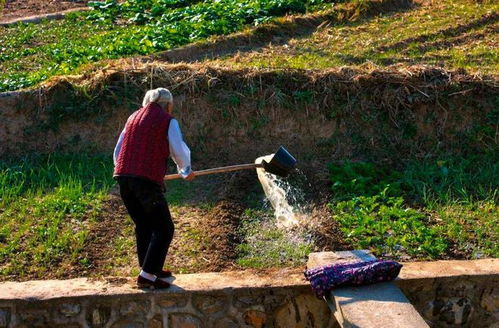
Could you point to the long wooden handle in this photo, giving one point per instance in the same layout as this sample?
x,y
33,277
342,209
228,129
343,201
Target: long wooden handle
x,y
217,170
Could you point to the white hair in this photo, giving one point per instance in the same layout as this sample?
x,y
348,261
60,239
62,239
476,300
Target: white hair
x,y
161,96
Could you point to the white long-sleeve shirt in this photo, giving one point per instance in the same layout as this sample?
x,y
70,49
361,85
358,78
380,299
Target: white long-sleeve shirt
x,y
179,151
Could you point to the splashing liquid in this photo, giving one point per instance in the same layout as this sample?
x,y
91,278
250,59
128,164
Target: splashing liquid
x,y
286,199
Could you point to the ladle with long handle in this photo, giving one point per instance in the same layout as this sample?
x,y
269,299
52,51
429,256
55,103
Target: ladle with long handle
x,y
217,170
282,163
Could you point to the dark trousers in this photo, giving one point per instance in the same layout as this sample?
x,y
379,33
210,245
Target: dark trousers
x,y
154,228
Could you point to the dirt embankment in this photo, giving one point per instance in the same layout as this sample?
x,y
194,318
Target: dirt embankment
x,y
233,117
237,115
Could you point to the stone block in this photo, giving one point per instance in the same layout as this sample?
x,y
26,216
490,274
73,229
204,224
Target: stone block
x,y
156,322
255,318
490,300
304,311
50,325
34,318
456,288
127,323
134,307
4,317
184,320
171,301
224,323
210,304
70,309
270,299
451,311
98,315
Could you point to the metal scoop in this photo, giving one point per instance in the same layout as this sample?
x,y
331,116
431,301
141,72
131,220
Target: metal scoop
x,y
282,163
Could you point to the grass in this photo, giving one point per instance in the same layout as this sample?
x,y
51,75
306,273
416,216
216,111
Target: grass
x,y
189,256
433,208
265,245
33,53
48,204
427,209
450,33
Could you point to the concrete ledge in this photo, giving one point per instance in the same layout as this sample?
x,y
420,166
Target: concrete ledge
x,y
48,289
373,306
182,283
447,269
231,299
445,293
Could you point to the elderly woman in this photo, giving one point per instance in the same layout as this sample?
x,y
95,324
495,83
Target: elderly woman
x,y
150,136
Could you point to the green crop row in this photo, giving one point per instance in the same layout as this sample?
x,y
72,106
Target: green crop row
x,y
33,53
428,209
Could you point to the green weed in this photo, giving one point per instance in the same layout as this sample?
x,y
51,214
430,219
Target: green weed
x,y
264,245
47,204
422,209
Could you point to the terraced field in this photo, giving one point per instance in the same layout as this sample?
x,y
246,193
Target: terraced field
x,y
450,34
391,106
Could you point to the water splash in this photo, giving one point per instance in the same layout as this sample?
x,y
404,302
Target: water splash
x,y
284,238
287,199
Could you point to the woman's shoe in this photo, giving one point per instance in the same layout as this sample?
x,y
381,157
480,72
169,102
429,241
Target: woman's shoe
x,y
164,274
156,284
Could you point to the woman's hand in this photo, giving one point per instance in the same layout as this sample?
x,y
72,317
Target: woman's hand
x,y
191,176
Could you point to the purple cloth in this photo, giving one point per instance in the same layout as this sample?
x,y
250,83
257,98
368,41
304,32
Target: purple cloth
x,y
324,279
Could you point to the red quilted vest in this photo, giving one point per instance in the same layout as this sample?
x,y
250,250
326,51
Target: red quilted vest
x,y
145,150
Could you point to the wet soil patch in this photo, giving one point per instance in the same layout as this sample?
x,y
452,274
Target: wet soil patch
x,y
325,231
220,223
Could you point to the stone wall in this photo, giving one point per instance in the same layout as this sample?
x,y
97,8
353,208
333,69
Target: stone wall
x,y
457,301
454,293
446,293
284,307
119,304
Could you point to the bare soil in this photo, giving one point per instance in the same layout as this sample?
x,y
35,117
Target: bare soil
x,y
205,240
214,242
24,8
110,224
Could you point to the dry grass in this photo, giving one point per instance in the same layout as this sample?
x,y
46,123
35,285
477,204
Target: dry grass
x,y
449,34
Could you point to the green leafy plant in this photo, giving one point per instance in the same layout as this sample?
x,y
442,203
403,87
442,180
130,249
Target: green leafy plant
x,y
422,209
362,179
385,225
118,29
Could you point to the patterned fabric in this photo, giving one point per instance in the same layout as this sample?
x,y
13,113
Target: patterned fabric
x,y
324,279
145,150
